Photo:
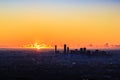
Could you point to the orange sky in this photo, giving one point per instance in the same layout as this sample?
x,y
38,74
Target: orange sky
x,y
49,22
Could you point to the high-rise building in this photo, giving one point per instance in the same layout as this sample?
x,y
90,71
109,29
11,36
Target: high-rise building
x,y
55,48
65,48
81,50
84,50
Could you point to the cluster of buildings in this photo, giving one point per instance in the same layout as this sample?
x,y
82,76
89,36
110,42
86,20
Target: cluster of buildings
x,y
66,50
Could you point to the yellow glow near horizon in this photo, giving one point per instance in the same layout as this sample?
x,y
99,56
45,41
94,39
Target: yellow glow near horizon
x,y
37,46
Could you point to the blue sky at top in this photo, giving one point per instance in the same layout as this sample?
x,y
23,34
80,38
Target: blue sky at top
x,y
63,1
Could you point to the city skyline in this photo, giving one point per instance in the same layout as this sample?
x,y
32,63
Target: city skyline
x,y
78,23
67,50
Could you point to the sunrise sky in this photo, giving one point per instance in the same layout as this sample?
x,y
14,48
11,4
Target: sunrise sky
x,y
90,23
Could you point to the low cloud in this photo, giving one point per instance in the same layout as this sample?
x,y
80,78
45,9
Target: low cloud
x,y
106,44
117,46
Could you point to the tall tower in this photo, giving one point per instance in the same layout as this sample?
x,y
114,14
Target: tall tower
x,y
65,48
84,50
68,50
55,48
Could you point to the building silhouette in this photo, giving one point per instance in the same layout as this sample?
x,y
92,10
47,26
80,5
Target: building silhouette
x,y
84,50
65,48
55,48
68,50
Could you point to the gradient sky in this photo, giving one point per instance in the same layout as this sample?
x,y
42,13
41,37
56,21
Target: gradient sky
x,y
74,22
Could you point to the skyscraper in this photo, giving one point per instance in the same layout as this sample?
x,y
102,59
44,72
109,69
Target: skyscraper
x,y
55,48
65,48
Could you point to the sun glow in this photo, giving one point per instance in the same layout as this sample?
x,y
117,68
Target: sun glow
x,y
38,46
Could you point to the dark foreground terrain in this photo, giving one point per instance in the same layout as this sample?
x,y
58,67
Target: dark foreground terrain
x,y
38,65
